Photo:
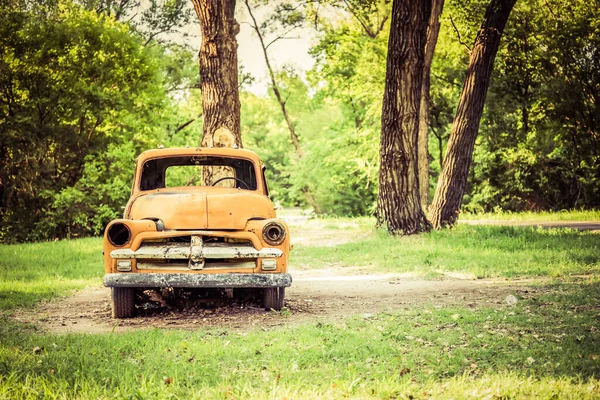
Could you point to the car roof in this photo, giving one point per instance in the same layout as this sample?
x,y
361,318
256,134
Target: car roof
x,y
195,151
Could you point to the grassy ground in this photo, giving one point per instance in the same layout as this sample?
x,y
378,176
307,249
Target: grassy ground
x,y
541,216
545,346
565,215
481,251
33,272
36,271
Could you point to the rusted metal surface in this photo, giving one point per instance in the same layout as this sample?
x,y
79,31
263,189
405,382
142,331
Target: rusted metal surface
x,y
211,208
198,280
149,265
196,253
224,226
183,251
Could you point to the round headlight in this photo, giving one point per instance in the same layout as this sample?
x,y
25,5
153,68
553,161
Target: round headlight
x,y
118,234
274,233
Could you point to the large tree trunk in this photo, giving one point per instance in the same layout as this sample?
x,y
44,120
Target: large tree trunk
x,y
453,179
433,30
219,73
398,202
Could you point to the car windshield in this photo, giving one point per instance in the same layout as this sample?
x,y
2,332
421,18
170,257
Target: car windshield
x,y
228,172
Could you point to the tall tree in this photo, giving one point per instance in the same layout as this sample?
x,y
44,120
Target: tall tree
x,y
219,73
288,16
399,203
453,179
433,30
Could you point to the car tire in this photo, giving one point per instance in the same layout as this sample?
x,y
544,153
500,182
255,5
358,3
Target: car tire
x,y
123,302
273,298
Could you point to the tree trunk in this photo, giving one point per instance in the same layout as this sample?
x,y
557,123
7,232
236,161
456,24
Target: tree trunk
x,y
453,179
219,73
433,30
398,201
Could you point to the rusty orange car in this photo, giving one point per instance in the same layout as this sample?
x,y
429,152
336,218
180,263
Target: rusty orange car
x,y
197,218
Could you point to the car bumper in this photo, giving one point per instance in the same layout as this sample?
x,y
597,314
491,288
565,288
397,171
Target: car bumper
x,y
156,280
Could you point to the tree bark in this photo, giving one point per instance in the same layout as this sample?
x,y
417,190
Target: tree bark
x,y
398,201
433,30
219,73
459,153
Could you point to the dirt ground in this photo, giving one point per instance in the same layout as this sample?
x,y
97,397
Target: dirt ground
x,y
330,294
327,295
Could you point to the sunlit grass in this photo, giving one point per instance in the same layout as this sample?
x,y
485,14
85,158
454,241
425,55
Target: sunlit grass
x,y
545,346
540,216
37,271
482,251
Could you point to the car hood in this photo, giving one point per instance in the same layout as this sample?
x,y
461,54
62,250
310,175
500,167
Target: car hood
x,y
214,209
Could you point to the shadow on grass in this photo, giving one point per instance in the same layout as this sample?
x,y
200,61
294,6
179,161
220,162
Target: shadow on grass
x,y
550,335
483,251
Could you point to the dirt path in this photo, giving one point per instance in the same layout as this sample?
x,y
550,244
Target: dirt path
x,y
319,295
330,294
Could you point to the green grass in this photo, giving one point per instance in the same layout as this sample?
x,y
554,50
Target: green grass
x,y
541,216
37,271
482,251
546,346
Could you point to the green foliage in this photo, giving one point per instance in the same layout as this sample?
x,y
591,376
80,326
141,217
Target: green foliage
x,y
337,169
82,97
82,93
154,20
539,147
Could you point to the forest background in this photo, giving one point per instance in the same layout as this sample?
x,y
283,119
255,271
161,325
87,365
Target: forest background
x,y
87,85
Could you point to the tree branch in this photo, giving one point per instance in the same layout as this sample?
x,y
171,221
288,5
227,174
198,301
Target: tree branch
x,y
362,23
458,35
293,136
185,124
282,36
155,34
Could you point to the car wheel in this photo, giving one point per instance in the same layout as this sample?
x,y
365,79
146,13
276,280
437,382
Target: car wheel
x,y
273,298
123,302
